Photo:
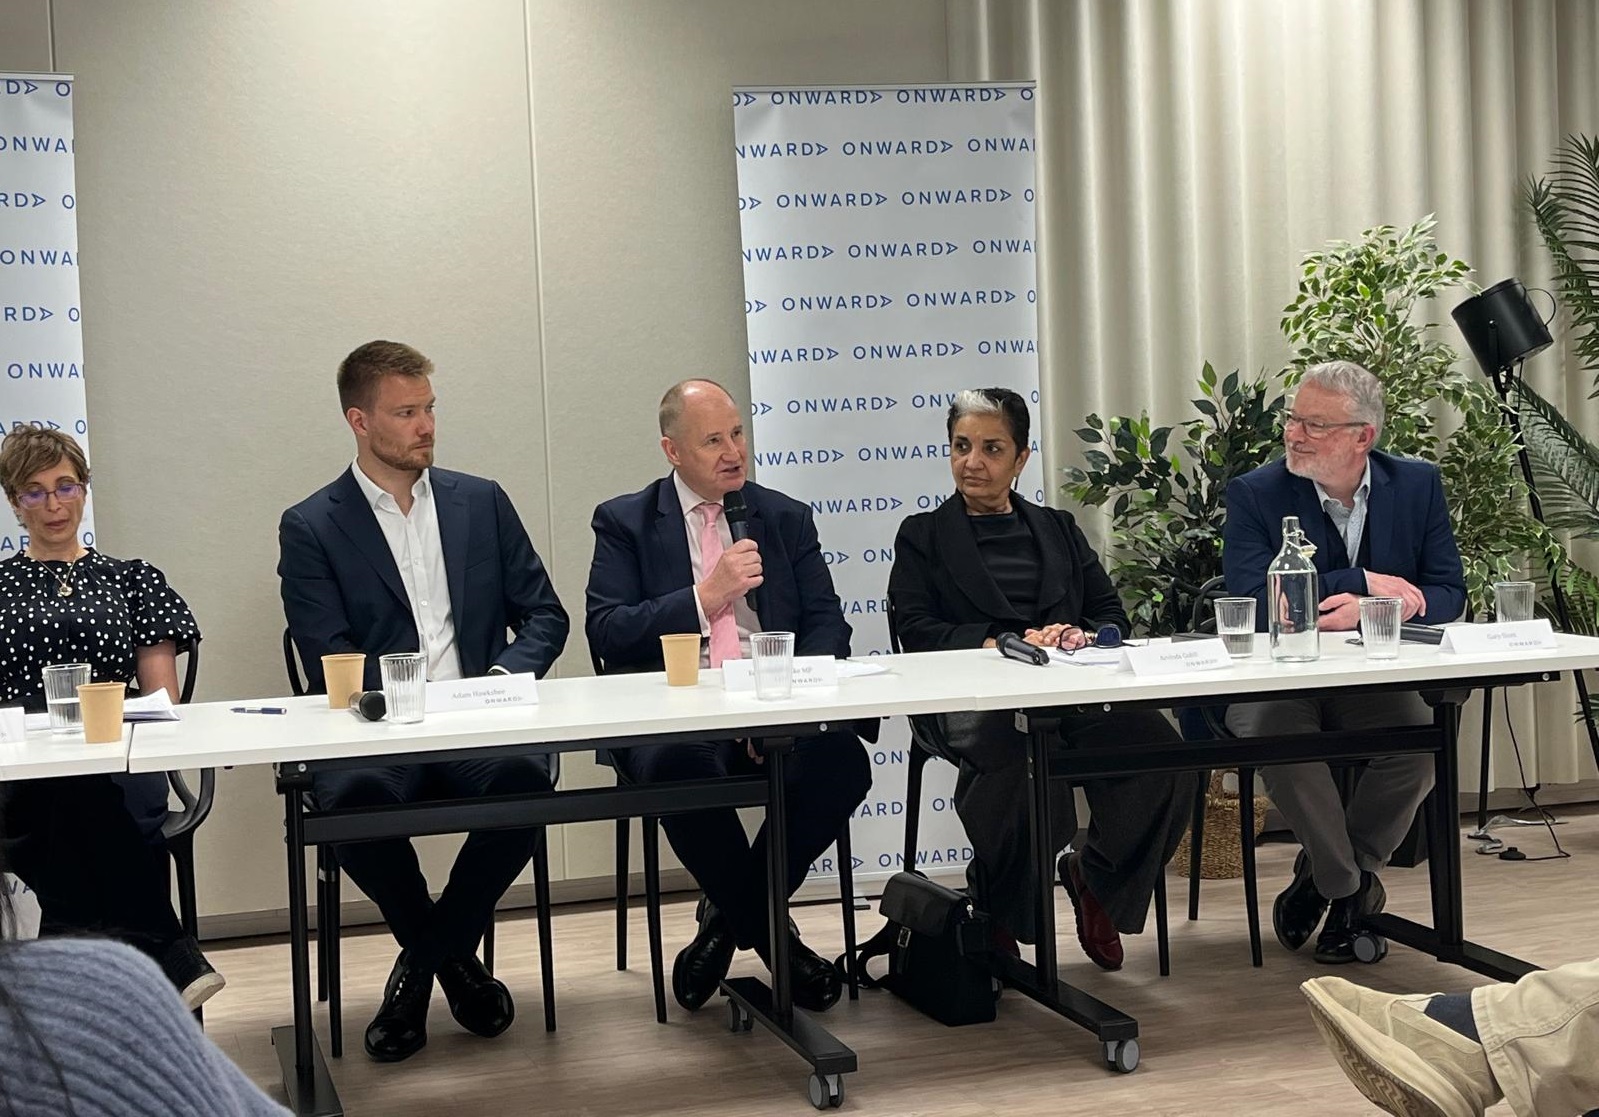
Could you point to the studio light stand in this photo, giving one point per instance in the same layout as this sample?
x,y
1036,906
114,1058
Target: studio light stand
x,y
1503,329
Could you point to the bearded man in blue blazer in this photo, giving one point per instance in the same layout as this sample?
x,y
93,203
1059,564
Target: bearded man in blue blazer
x,y
665,562
1380,526
400,556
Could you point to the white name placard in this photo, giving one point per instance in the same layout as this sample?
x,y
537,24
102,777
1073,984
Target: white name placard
x,y
1507,636
1175,658
487,693
809,671
13,725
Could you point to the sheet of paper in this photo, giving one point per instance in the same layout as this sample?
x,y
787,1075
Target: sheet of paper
x,y
155,706
854,668
1088,657
13,725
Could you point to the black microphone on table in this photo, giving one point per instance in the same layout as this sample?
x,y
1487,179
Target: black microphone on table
x,y
369,705
738,526
1012,646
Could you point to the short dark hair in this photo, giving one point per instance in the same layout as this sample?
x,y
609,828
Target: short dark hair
x,y
27,450
992,401
671,409
360,372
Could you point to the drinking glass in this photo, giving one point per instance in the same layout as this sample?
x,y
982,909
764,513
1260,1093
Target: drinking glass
x,y
1513,601
404,685
1235,624
61,683
1379,626
773,653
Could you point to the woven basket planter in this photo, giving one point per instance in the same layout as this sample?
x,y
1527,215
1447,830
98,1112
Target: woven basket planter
x,y
1222,855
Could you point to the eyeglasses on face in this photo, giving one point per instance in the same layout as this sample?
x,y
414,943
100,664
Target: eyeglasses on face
x,y
66,493
1315,428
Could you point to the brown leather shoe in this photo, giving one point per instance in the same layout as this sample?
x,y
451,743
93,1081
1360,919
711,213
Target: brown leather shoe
x,y
1095,931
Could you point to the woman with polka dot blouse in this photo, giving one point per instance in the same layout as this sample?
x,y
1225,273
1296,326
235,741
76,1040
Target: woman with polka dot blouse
x,y
75,840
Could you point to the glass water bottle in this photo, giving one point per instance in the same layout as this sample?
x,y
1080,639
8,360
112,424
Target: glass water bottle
x,y
1293,599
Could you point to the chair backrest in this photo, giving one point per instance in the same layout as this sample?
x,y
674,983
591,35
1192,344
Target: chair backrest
x,y
893,628
291,665
196,804
1204,614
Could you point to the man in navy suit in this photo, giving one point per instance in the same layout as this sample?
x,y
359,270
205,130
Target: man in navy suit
x,y
665,562
1380,526
399,556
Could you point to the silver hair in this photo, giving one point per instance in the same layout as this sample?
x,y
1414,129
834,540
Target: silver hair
x,y
1354,383
972,401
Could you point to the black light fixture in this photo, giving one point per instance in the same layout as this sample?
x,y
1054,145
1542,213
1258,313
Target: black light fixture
x,y
1502,328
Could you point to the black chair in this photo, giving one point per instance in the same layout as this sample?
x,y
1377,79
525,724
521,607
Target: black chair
x,y
1202,723
927,742
328,877
194,808
652,891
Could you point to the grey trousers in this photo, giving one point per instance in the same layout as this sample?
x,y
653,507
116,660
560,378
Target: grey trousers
x,y
1341,841
1135,824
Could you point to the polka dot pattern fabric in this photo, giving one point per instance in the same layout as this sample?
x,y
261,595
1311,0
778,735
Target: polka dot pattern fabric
x,y
116,607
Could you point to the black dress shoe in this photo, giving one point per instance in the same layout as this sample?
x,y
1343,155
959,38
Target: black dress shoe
x,y
814,982
1336,944
1299,908
703,963
400,1029
480,1003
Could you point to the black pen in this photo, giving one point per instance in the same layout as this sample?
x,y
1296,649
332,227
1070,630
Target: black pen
x,y
259,710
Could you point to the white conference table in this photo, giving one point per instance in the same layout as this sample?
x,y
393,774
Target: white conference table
x,y
43,755
612,711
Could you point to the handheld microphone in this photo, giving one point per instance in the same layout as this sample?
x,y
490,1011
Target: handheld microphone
x,y
369,705
1012,646
738,526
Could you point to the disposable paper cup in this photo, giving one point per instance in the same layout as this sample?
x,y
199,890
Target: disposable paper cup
x,y
682,655
344,674
102,712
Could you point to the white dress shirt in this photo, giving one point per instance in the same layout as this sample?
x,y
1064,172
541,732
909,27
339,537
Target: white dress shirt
x,y
419,554
693,522
1350,521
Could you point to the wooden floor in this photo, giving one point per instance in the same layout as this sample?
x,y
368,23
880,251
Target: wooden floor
x,y
1219,1037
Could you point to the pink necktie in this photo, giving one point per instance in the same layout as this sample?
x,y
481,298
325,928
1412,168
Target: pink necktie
x,y
724,629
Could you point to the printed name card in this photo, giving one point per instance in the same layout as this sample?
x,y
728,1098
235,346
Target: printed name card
x,y
809,671
13,726
1175,658
488,693
1506,636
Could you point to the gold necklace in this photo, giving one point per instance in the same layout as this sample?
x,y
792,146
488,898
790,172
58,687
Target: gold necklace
x,y
63,585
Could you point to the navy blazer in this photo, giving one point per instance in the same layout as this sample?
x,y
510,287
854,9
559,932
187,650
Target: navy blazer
x,y
641,585
1407,526
944,597
342,591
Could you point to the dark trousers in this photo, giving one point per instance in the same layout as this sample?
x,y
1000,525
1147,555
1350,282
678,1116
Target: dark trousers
x,y
826,778
74,843
1134,827
487,863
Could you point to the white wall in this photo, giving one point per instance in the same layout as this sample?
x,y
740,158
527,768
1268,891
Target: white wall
x,y
536,193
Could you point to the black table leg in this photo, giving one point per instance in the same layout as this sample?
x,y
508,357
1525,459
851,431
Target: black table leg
x,y
305,1074
750,1000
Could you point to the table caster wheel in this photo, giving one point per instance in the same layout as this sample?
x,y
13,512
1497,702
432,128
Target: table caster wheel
x,y
1369,947
1122,1055
826,1091
738,1018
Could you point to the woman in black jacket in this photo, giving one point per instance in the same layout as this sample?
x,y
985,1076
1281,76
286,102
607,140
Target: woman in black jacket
x,y
987,562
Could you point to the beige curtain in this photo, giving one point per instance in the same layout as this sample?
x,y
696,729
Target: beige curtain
x,y
1191,151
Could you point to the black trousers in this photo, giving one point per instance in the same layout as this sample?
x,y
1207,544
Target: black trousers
x,y
826,778
1135,823
73,842
487,863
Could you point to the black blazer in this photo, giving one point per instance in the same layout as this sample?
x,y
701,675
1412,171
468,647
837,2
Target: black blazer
x,y
342,591
944,597
641,584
